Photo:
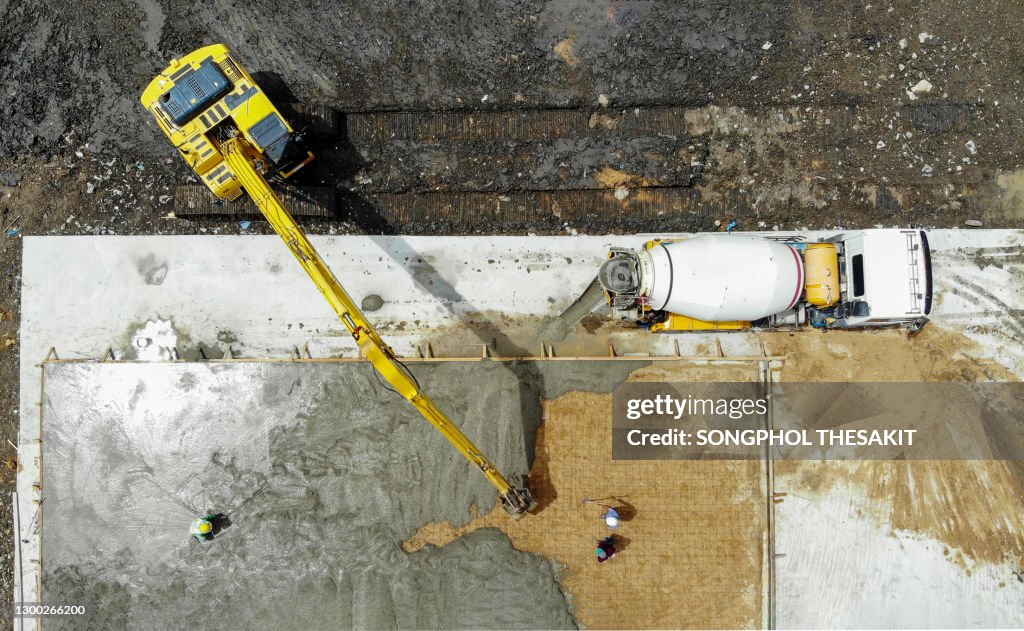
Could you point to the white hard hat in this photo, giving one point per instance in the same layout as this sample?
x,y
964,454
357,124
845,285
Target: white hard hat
x,y
612,518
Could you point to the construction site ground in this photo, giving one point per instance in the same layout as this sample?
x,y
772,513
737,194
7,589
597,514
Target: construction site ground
x,y
692,545
961,522
566,118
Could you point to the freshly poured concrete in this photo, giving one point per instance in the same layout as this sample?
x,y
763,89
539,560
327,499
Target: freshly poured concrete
x,y
133,452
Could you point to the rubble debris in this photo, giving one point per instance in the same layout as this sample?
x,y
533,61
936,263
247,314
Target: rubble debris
x,y
603,121
922,87
371,303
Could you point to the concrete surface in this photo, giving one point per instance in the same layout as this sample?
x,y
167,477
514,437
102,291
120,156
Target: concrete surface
x,y
134,451
845,566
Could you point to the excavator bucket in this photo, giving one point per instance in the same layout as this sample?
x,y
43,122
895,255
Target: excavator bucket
x,y
518,502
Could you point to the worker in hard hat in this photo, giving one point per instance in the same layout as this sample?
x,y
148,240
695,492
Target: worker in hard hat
x,y
611,518
605,548
202,527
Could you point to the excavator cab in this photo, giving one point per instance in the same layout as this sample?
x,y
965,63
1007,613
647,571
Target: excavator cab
x,y
206,98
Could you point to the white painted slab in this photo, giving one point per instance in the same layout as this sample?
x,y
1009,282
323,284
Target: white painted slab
x,y
842,570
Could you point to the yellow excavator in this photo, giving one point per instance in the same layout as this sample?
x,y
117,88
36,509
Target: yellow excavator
x,y
233,137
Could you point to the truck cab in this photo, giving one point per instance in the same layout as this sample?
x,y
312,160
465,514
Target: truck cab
x,y
886,279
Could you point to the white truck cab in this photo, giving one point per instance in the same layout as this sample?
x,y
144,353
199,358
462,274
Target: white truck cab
x,y
887,278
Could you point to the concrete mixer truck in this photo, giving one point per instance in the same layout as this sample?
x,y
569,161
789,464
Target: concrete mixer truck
x,y
724,282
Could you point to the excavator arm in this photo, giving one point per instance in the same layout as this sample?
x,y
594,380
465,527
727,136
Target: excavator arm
x,y
238,155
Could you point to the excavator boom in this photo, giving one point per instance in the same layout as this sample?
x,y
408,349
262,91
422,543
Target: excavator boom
x,y
236,154
228,131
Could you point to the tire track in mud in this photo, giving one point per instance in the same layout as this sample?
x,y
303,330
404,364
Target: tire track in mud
x,y
972,292
643,208
523,150
466,125
1007,258
983,257
966,316
669,163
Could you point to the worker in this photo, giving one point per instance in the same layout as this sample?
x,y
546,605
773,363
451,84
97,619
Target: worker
x,y
203,527
611,518
605,548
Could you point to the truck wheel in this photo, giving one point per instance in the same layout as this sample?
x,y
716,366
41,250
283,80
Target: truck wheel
x,y
916,326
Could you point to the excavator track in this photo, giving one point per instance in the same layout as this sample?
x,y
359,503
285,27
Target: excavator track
x,y
526,209
311,118
196,201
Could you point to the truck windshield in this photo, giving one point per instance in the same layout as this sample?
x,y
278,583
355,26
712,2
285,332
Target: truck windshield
x,y
858,274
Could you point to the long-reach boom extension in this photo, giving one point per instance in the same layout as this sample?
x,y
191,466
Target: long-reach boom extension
x,y
236,153
228,131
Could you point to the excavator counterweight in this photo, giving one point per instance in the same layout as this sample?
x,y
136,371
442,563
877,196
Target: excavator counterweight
x,y
242,161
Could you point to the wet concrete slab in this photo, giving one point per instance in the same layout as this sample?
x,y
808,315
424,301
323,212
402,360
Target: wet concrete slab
x,y
323,474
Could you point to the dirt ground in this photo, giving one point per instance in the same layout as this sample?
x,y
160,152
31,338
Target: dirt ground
x,y
975,508
692,537
527,117
697,532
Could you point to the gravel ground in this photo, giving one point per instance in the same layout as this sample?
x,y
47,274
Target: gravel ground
x,y
812,113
